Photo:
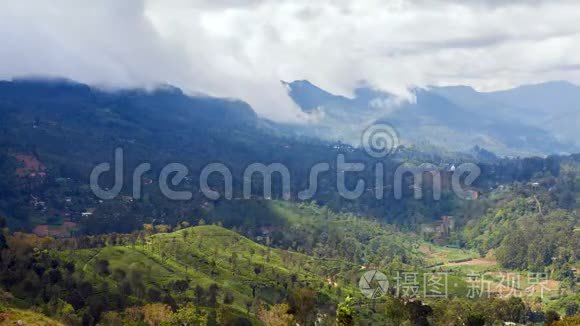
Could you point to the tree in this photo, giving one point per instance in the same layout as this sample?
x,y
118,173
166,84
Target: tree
x,y
154,295
54,276
3,242
111,318
125,288
199,296
303,304
418,313
119,274
136,280
133,316
568,321
155,313
234,262
248,305
162,228
475,320
228,298
551,317
69,267
345,312
213,293
148,228
512,309
395,310
571,309
513,251
277,316
180,286
102,267
186,316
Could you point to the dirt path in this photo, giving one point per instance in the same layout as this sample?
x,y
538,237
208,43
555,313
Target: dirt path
x,y
475,262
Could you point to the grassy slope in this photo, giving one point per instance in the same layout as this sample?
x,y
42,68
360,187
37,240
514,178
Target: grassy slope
x,y
500,279
205,254
192,252
445,255
29,318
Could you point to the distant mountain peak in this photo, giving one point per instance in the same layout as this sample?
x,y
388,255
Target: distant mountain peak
x,y
459,88
309,96
459,116
564,83
304,85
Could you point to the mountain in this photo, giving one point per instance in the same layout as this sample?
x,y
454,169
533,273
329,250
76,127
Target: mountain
x,y
53,133
551,106
455,118
166,103
338,118
62,129
138,260
554,106
546,98
309,96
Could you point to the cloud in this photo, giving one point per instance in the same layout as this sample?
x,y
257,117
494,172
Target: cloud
x,y
243,48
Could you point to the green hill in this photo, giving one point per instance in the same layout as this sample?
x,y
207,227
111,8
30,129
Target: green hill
x,y
11,316
206,255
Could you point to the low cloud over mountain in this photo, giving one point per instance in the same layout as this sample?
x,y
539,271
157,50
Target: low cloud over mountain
x,y
242,49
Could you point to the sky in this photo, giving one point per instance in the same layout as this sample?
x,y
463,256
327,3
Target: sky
x,y
244,48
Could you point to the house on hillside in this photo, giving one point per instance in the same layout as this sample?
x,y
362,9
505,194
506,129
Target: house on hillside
x,y
127,199
471,195
438,231
30,167
37,203
65,230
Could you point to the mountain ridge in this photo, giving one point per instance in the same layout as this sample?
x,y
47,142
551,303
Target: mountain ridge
x,y
460,115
